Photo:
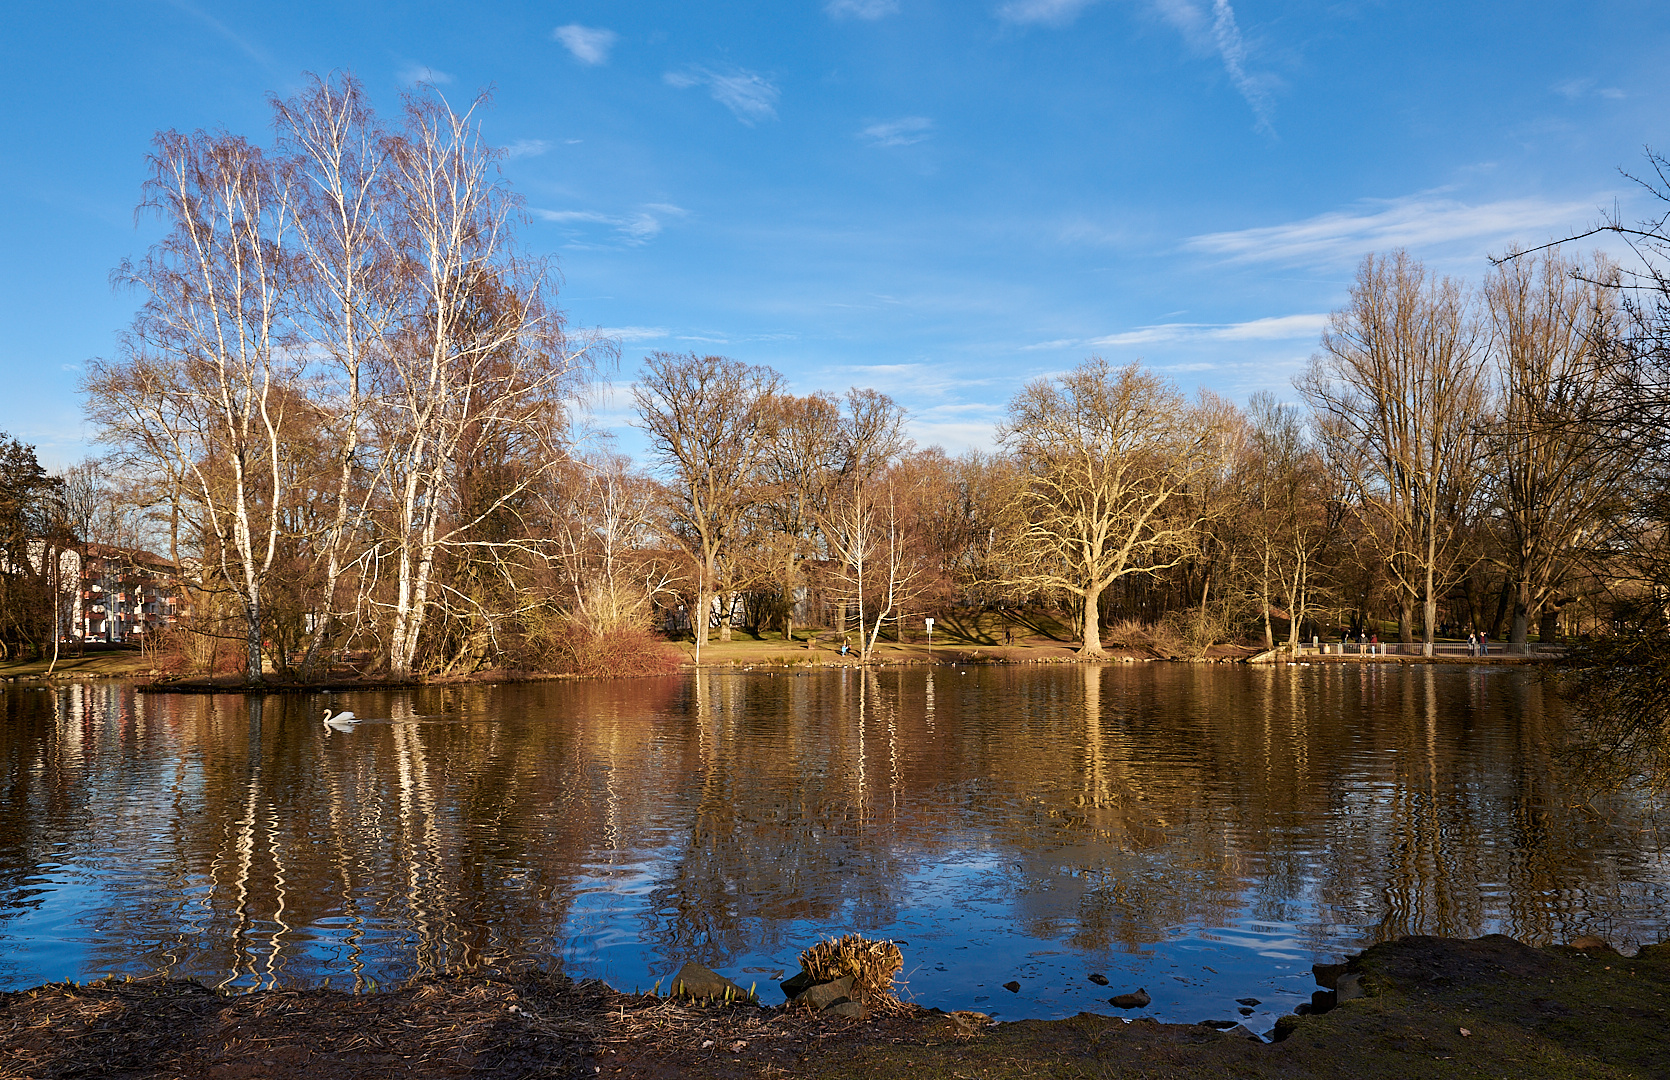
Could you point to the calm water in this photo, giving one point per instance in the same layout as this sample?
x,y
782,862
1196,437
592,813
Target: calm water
x,y
1206,831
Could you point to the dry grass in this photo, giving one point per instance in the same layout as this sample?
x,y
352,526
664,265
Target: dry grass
x,y
872,965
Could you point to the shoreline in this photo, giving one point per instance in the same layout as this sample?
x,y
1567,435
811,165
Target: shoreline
x,y
763,656
1418,1006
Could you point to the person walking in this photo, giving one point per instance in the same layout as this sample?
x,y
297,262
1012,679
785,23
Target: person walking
x,y
1484,643
1472,644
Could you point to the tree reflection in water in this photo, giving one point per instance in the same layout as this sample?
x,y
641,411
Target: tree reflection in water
x,y
1220,826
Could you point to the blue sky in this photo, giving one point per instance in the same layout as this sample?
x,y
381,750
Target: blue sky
x,y
940,200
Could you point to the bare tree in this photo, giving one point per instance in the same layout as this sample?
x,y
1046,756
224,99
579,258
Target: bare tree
x,y
482,359
1111,457
350,290
708,420
869,439
1398,392
795,470
203,387
1560,475
1289,522
604,525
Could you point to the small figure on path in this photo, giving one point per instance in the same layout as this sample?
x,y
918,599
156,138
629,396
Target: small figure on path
x,y
1472,643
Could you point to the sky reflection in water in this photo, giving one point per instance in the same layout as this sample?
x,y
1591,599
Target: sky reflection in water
x,y
1204,831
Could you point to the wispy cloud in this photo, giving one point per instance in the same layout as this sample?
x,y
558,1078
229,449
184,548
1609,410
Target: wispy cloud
x,y
749,97
1214,31
1049,12
635,228
223,30
1272,328
1423,221
901,132
1573,89
630,335
526,148
861,9
589,44
1218,32
1226,35
414,74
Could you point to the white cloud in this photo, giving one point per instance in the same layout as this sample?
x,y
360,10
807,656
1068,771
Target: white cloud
x,y
901,132
1212,32
1274,328
1227,36
1051,12
1418,222
590,45
414,74
1271,328
628,335
634,228
1573,89
526,148
861,9
749,97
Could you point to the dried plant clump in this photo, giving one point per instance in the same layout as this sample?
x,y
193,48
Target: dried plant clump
x,y
872,965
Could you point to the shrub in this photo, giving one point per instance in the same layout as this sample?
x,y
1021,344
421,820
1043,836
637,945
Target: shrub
x,y
578,650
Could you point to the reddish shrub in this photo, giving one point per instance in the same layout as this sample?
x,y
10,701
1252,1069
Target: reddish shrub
x,y
578,651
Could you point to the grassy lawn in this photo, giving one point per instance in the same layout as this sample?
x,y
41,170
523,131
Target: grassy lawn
x,y
94,665
988,636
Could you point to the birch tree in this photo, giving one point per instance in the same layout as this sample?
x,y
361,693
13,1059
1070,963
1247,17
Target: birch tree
x,y
203,386
482,356
349,291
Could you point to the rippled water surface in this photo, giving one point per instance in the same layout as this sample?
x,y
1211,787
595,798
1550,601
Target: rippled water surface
x,y
1205,831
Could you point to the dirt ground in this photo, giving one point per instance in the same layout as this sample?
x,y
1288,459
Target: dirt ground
x,y
1433,1008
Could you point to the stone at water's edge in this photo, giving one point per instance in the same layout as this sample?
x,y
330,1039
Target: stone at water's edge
x,y
795,984
1348,987
1327,974
852,1010
969,1022
1137,1000
822,995
694,980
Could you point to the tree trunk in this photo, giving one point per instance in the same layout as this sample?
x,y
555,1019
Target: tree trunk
x,y
252,613
1092,635
1503,599
1519,629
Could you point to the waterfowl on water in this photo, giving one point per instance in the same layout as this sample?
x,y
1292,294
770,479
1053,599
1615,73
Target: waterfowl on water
x,y
342,721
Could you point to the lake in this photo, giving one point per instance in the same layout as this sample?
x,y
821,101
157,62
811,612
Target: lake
x,y
1204,831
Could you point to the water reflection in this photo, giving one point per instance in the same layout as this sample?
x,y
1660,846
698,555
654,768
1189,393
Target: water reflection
x,y
1205,831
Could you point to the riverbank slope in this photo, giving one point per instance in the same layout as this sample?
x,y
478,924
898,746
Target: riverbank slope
x,y
1431,1007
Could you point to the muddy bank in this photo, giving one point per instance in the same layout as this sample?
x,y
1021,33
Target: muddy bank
x,y
1430,1007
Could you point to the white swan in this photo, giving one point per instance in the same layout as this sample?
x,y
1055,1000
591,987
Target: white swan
x,y
342,721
